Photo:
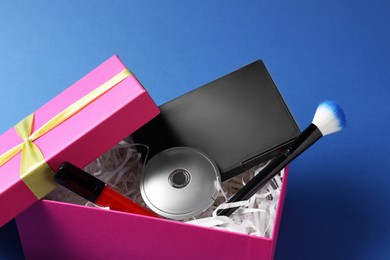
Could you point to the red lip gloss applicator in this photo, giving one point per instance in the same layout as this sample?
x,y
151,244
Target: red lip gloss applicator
x,y
96,191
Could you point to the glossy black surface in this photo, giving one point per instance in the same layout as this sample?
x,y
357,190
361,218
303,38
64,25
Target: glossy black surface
x,y
239,120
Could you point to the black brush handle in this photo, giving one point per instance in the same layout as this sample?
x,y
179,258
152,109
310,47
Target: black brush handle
x,y
308,137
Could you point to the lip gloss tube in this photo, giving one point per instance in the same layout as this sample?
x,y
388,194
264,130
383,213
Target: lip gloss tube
x,y
96,191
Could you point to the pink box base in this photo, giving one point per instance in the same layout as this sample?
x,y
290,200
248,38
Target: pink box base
x,y
55,230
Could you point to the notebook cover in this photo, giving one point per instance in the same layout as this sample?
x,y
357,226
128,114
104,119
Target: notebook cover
x,y
239,120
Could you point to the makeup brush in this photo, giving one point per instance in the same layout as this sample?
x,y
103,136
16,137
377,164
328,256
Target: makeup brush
x,y
329,118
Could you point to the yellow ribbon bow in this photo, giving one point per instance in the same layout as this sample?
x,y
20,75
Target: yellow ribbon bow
x,y
34,171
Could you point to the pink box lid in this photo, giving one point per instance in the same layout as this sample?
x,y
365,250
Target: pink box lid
x,y
81,138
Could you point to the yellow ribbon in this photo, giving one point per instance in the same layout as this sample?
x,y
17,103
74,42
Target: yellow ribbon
x,y
32,160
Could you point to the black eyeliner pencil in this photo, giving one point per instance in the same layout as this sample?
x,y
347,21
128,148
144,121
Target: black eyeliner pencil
x,y
329,118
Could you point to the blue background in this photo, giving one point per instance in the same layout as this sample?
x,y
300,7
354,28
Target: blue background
x,y
337,203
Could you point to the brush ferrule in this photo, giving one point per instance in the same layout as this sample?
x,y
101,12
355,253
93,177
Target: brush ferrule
x,y
308,137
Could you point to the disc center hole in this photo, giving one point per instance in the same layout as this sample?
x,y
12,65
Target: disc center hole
x,y
179,178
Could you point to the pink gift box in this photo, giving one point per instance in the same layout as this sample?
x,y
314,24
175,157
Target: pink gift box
x,y
81,138
56,230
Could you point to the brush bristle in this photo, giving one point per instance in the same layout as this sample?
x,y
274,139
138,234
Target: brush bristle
x,y
329,118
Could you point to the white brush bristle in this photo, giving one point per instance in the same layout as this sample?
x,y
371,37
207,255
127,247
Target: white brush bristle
x,y
329,118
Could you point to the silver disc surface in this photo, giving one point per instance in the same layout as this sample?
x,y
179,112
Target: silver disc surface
x,y
180,183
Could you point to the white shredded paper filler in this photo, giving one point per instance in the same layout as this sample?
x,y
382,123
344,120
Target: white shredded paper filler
x,y
121,167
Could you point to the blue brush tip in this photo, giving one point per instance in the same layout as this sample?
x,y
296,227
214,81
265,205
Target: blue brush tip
x,y
337,112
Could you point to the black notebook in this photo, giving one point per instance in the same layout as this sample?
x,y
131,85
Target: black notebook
x,y
239,120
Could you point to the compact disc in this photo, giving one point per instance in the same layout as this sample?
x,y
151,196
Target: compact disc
x,y
180,183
